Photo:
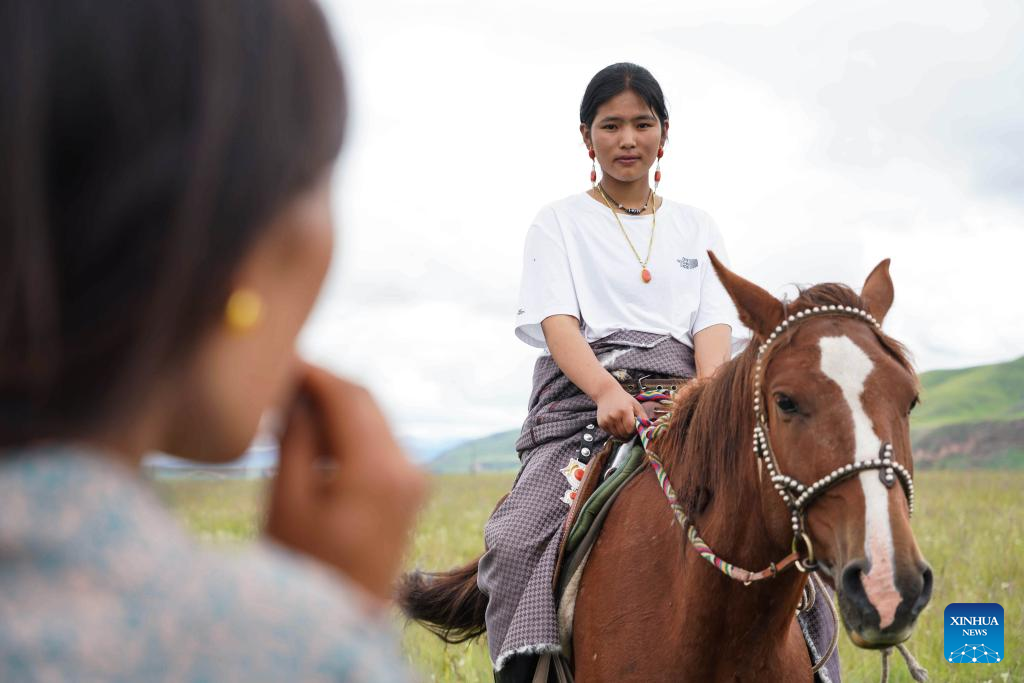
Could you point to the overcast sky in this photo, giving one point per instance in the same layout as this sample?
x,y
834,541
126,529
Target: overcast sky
x,y
822,136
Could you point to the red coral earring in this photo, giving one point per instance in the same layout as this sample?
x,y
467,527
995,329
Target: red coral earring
x,y
593,167
657,168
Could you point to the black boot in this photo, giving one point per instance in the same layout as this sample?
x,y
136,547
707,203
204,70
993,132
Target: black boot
x,y
518,669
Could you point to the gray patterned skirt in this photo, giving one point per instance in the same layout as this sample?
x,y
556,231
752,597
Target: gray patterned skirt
x,y
523,535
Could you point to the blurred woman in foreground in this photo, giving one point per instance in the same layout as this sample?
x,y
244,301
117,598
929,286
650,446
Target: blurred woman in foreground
x,y
164,231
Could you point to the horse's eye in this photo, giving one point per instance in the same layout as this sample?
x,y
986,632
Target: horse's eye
x,y
785,403
913,404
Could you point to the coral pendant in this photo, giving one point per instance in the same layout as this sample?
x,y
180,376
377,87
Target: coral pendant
x,y
645,275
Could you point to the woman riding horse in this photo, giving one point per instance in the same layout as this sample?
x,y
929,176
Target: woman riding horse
x,y
618,290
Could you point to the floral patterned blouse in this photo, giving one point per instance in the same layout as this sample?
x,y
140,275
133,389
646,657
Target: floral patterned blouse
x,y
99,582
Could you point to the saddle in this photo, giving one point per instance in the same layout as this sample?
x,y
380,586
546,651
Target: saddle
x,y
597,491
607,474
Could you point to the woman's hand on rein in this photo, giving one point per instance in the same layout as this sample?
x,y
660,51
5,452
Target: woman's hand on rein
x,y
616,412
345,493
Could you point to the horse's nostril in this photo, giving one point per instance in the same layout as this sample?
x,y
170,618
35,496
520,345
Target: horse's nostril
x,y
851,582
926,592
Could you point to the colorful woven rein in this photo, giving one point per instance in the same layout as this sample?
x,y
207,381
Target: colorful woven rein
x,y
648,432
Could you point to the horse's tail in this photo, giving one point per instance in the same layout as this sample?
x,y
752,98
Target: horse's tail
x,y
447,603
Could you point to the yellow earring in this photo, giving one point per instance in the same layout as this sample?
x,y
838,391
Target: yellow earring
x,y
244,310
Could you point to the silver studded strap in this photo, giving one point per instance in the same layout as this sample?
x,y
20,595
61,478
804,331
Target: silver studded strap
x,y
796,495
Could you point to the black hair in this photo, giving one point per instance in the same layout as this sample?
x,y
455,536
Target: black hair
x,y
618,78
146,144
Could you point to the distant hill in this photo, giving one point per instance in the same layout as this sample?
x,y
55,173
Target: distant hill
x,y
963,445
490,453
970,417
989,393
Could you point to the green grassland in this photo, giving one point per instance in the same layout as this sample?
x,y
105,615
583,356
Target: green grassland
x,y
968,525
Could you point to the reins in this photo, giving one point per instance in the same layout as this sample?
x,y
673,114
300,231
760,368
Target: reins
x,y
794,494
649,431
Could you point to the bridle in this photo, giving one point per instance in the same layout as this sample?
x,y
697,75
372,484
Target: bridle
x,y
797,496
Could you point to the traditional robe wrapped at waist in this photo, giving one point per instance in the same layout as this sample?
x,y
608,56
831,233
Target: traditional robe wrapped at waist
x,y
558,409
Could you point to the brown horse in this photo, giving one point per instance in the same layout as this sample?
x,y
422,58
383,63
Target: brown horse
x,y
827,394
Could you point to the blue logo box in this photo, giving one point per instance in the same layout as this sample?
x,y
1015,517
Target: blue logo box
x,y
973,633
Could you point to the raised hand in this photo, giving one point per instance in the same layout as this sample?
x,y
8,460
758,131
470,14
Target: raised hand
x,y
345,493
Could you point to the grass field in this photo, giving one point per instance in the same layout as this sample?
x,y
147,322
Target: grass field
x,y
969,526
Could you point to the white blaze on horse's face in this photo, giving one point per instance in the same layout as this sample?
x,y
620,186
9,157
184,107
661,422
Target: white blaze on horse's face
x,y
847,365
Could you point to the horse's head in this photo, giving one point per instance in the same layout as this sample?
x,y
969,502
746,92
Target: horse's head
x,y
833,390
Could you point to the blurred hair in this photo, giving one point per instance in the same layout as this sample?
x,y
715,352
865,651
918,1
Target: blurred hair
x,y
616,79
146,145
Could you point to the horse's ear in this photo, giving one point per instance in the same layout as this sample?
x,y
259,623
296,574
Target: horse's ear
x,y
759,310
877,294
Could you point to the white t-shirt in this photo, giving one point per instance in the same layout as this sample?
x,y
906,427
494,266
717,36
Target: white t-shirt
x,y
577,262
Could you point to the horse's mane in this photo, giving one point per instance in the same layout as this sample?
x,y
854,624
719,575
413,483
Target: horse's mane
x,y
709,433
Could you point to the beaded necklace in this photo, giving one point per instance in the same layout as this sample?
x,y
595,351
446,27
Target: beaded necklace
x,y
631,212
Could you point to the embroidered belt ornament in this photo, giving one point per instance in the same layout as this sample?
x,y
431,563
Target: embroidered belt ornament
x,y
573,473
796,495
